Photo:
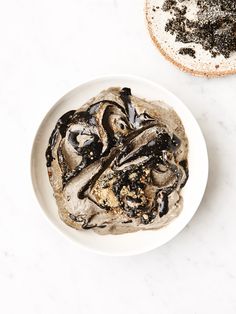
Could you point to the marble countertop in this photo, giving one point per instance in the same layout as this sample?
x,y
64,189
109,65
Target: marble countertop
x,y
47,48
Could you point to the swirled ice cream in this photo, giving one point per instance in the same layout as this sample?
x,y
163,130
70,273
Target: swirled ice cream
x,y
118,164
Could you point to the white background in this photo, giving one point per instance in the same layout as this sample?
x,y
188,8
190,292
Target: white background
x,y
47,47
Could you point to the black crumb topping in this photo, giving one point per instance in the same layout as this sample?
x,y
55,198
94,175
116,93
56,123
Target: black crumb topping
x,y
187,51
214,27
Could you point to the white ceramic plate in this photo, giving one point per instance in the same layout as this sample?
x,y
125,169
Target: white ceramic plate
x,y
138,242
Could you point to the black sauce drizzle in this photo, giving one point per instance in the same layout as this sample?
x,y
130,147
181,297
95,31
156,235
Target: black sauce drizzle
x,y
130,109
61,126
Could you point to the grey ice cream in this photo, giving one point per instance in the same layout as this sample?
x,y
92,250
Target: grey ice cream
x,y
118,164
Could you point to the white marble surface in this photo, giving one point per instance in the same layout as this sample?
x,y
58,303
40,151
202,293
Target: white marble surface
x,y
47,48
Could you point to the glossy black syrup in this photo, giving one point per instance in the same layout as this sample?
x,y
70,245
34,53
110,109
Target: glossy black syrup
x,y
61,127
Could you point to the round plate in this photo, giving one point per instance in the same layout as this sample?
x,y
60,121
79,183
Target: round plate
x,y
141,241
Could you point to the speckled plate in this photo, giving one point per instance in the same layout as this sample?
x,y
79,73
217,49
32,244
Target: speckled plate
x,y
132,243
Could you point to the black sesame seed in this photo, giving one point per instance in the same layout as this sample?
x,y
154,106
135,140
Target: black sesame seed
x,y
214,28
